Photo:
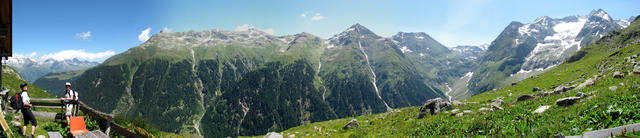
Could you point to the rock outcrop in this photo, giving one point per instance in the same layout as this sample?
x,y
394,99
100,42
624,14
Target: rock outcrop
x,y
433,106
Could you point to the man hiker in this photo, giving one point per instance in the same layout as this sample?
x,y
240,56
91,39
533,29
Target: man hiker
x,y
26,111
70,98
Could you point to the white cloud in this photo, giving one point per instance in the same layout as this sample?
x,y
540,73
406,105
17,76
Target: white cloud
x,y
83,35
166,30
79,54
246,27
303,15
144,35
62,55
317,17
243,27
268,31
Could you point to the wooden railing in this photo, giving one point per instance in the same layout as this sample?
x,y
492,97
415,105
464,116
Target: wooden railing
x,y
104,120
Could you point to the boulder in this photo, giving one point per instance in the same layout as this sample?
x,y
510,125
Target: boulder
x,y
535,89
351,124
495,107
433,106
613,88
525,97
567,101
273,135
467,112
541,109
588,82
41,136
617,74
636,71
544,93
459,114
581,95
497,102
16,123
455,111
561,89
559,135
484,109
457,103
470,103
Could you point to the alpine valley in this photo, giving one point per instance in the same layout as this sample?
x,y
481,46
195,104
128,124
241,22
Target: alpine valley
x,y
218,83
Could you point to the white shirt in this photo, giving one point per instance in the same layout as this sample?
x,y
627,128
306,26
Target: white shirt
x,y
70,94
25,97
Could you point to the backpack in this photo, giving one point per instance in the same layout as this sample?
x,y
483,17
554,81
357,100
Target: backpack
x,y
16,101
75,97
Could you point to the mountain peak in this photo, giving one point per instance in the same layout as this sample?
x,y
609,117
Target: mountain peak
x,y
357,25
416,35
359,28
600,13
356,30
543,20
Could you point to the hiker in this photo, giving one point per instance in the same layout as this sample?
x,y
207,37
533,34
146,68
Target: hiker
x,y
70,99
26,111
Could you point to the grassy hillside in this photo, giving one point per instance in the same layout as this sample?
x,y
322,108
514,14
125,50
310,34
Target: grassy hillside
x,y
602,108
53,82
11,79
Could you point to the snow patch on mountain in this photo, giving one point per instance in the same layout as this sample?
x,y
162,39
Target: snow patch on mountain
x,y
602,14
527,30
554,46
404,49
623,23
468,75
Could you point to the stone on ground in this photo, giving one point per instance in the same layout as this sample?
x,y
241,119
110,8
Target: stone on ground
x,y
535,89
496,107
454,112
525,97
567,101
617,74
561,89
541,109
484,109
433,106
580,94
273,135
351,124
588,82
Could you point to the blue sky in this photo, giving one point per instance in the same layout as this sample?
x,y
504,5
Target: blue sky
x,y
47,27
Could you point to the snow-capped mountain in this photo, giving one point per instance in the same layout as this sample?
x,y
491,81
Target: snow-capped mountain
x,y
525,49
470,52
34,68
557,39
